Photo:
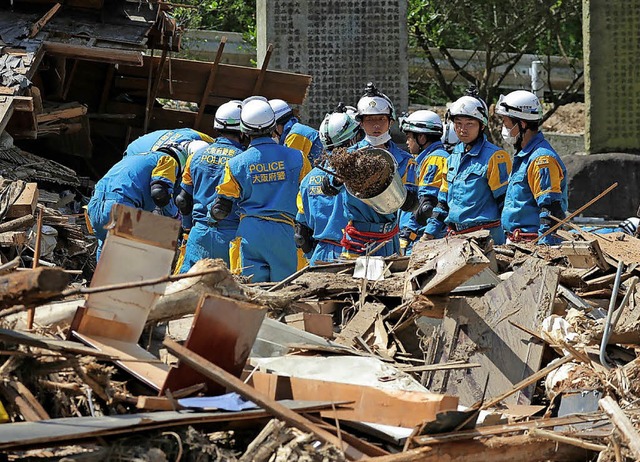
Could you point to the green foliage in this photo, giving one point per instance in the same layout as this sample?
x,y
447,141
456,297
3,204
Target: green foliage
x,y
502,29
224,15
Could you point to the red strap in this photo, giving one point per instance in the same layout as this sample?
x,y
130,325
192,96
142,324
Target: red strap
x,y
494,224
360,239
519,236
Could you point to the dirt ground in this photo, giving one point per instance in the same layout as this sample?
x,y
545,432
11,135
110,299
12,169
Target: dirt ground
x,y
567,119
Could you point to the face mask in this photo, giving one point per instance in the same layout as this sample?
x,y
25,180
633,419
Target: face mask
x,y
507,137
378,140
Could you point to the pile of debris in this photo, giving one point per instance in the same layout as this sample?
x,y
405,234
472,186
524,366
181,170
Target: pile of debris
x,y
462,351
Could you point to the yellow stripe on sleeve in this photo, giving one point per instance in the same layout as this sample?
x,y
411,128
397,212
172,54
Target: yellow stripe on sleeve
x,y
229,186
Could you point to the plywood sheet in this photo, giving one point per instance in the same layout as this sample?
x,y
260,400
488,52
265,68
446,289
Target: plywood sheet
x,y
478,330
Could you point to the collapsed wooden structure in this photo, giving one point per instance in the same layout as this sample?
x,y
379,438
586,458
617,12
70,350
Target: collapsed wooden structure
x,y
86,78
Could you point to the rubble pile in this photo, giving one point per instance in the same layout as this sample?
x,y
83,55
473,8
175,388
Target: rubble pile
x,y
462,351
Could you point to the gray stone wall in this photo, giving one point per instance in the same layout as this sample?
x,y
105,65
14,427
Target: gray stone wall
x,y
612,61
342,44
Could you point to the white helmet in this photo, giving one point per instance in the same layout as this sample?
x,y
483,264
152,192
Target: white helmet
x,y
257,116
375,103
282,110
520,104
630,225
228,116
469,106
195,145
337,129
352,112
427,122
449,137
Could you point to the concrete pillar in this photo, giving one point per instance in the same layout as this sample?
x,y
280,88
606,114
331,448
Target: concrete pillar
x,y
342,44
611,31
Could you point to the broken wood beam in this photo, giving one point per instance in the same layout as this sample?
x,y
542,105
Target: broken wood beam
x,y
496,449
97,54
40,23
210,81
623,424
536,432
437,267
225,379
369,403
28,287
19,223
263,70
24,205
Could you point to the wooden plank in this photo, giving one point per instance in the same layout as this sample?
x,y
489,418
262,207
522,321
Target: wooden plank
x,y
584,254
231,382
521,448
478,330
139,246
144,227
263,70
223,332
62,346
439,266
23,103
26,202
13,239
361,323
370,404
623,424
134,359
232,82
210,81
75,429
97,54
68,111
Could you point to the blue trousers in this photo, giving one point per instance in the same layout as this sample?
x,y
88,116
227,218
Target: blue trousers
x,y
207,242
325,252
267,250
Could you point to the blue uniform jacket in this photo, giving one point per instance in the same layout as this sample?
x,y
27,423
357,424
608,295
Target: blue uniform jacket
x,y
360,213
203,174
159,138
302,137
539,178
323,214
131,179
473,182
431,165
265,180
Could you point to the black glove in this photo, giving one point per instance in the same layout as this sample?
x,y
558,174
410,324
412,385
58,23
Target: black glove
x,y
411,201
184,202
425,208
329,187
303,237
160,194
221,208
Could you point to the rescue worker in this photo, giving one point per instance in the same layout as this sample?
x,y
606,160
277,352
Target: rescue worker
x,y
472,194
202,175
264,182
628,226
156,139
321,217
293,134
538,185
144,181
366,228
424,132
